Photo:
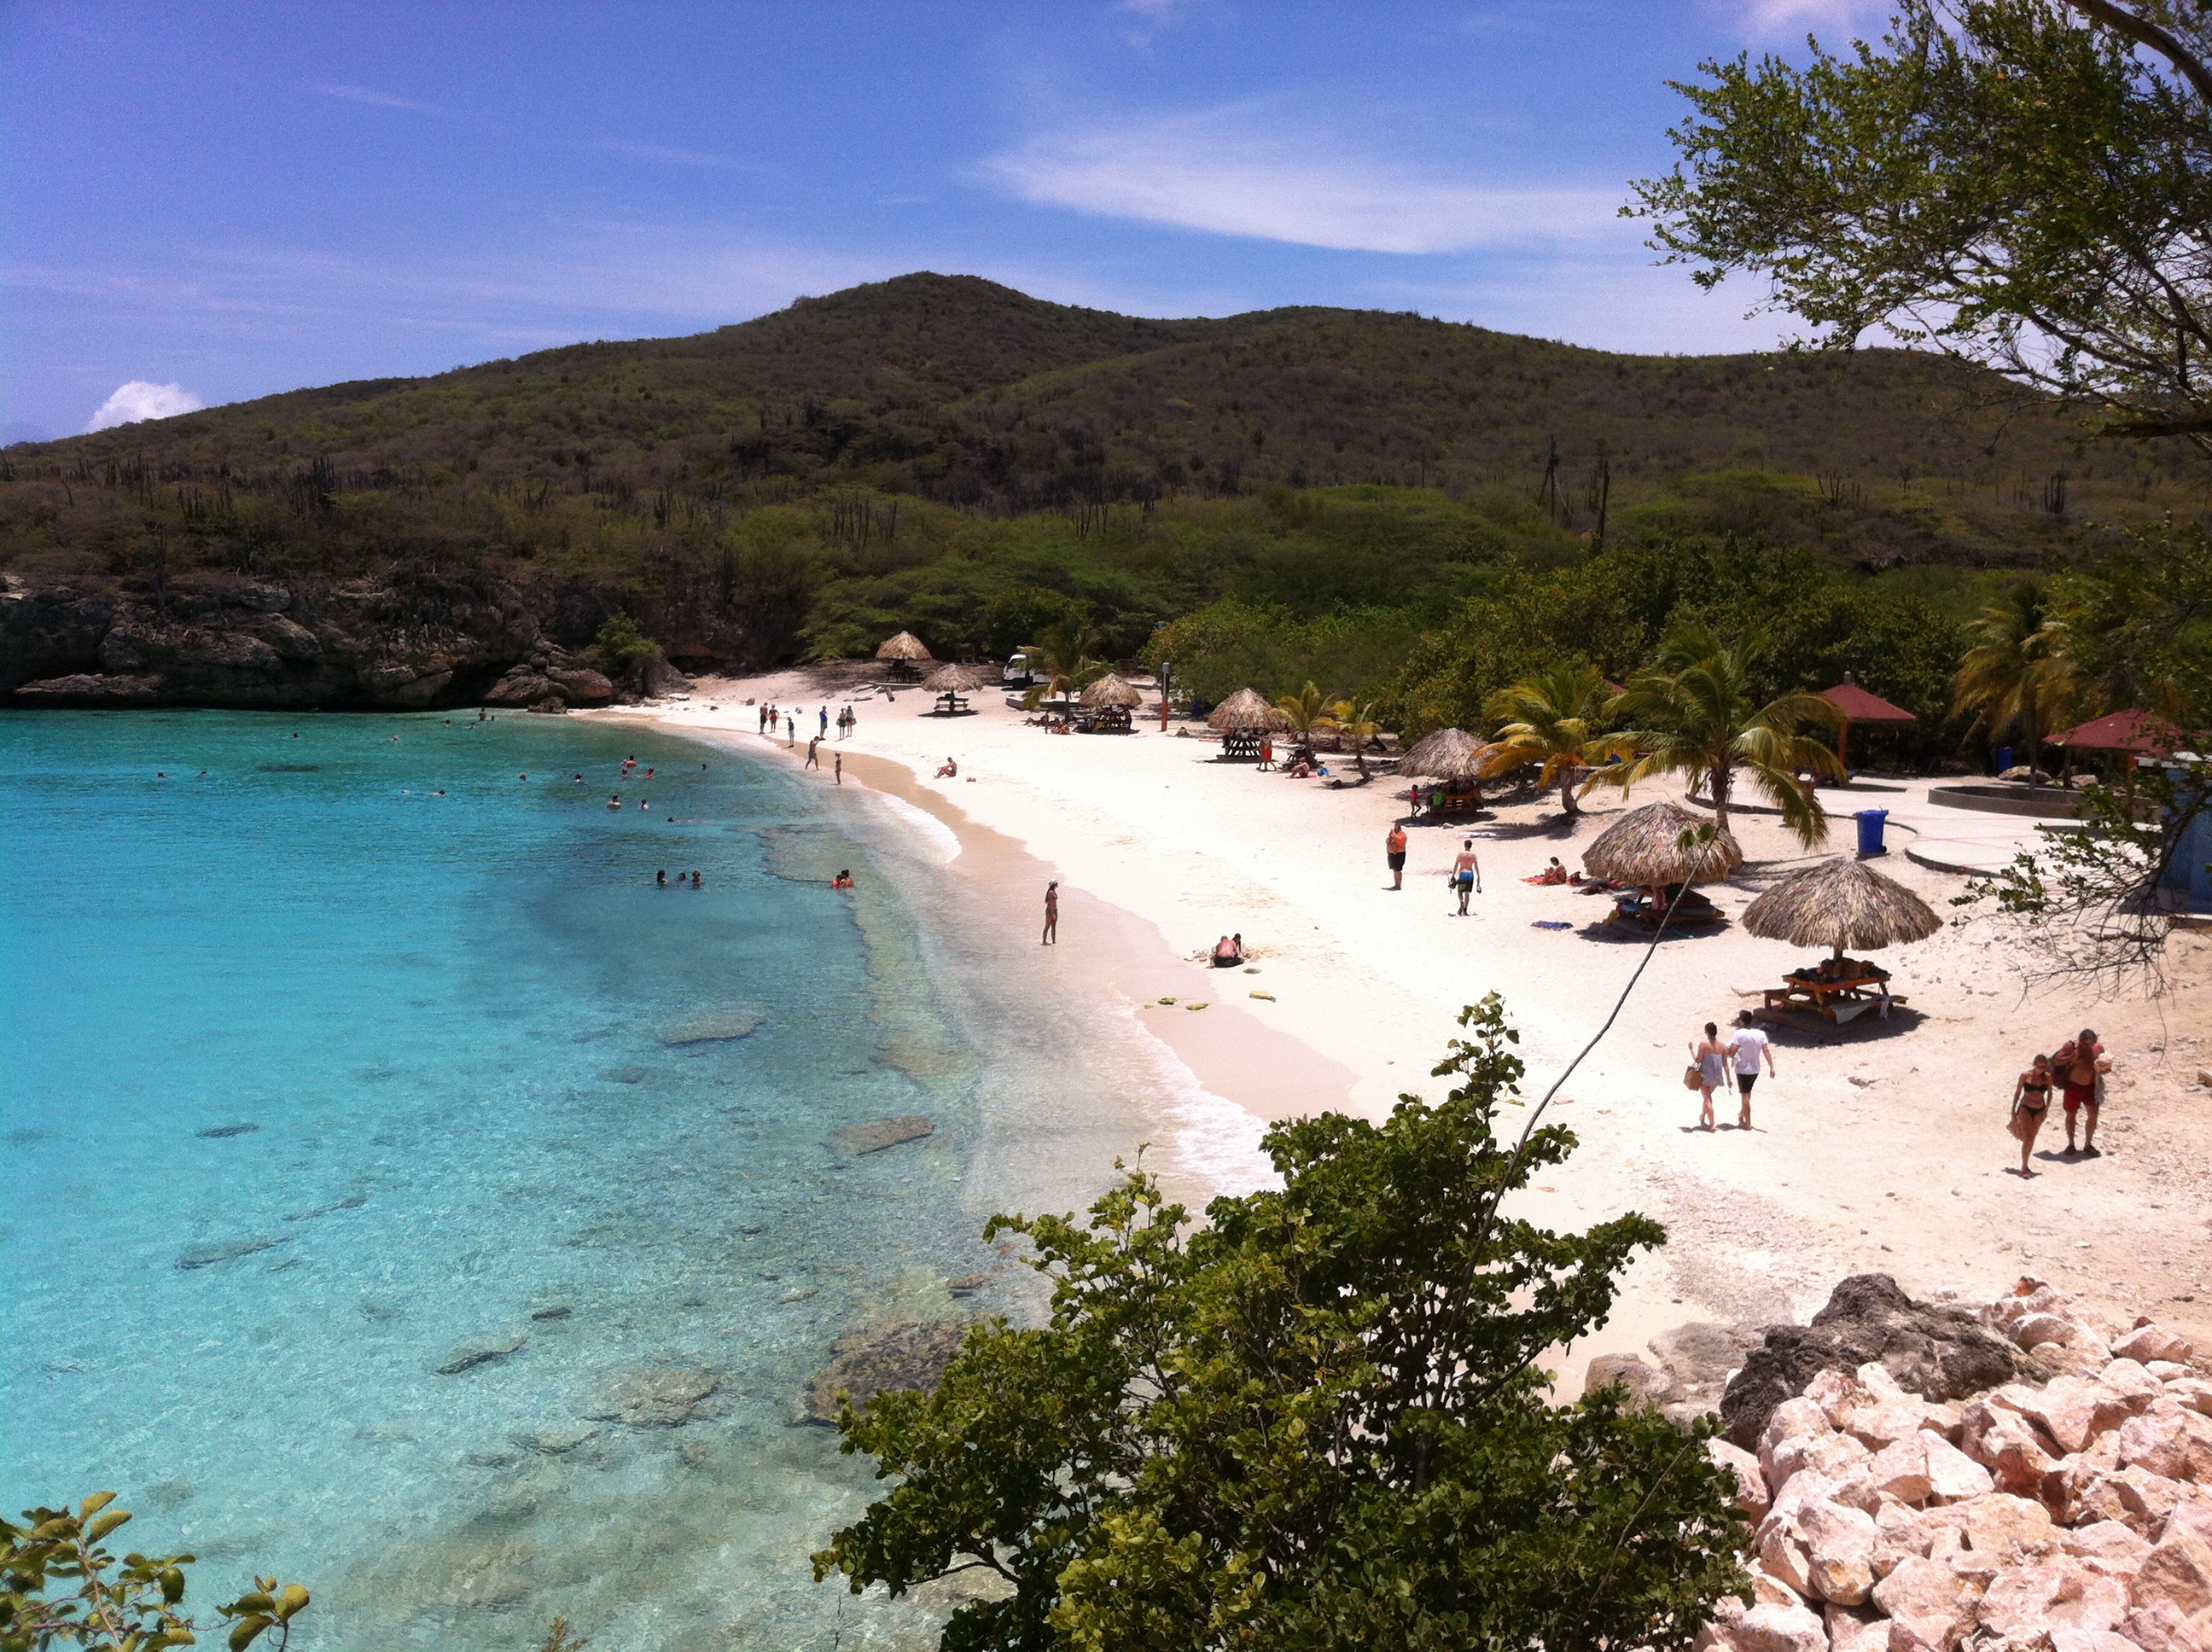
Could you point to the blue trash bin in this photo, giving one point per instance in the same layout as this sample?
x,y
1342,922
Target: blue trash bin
x,y
1871,821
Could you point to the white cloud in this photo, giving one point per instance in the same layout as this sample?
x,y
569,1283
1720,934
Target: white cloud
x,y
1226,172
377,99
1765,18
140,400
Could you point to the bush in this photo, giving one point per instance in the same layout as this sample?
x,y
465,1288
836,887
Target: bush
x,y
1316,1423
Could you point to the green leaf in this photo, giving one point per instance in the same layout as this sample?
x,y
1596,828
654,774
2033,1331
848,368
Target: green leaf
x,y
294,1599
94,1504
245,1631
105,1524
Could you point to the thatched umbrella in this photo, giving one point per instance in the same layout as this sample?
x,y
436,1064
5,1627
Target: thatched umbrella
x,y
1841,903
1450,754
1244,710
1642,847
952,679
1111,690
904,646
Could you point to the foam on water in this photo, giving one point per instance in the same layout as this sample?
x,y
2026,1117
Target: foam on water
x,y
351,1058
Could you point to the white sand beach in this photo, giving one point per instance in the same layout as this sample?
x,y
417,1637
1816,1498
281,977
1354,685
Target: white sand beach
x,y
1882,1148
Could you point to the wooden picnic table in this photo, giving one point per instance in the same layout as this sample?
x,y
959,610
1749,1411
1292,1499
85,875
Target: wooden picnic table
x,y
1840,1000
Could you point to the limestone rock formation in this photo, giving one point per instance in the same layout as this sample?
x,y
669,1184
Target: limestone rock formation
x,y
1933,1351
2072,1514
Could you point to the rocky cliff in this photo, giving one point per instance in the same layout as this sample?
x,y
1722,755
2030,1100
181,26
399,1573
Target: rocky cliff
x,y
2024,1478
405,639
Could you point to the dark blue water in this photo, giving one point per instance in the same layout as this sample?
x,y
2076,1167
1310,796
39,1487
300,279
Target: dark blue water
x,y
352,1054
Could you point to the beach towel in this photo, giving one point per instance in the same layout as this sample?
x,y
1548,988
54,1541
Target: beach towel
x,y
1551,923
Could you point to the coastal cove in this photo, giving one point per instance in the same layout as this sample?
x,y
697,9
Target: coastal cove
x,y
414,1199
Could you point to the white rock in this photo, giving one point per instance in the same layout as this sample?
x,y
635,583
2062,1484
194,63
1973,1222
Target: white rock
x,y
1900,1470
1999,1523
1952,1474
1931,1606
1840,1545
1751,1493
2150,1342
2180,1571
1793,1419
1856,1629
2106,1546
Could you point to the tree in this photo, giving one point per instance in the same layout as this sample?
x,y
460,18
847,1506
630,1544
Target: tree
x,y
1552,718
1307,709
1691,711
1357,724
2024,183
2019,674
1317,1422
133,1606
1065,651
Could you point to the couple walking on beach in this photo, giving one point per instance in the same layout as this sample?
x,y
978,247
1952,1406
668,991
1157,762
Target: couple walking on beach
x,y
2078,1071
1709,1064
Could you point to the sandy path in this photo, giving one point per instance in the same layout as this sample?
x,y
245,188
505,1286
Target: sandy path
x,y
1885,1150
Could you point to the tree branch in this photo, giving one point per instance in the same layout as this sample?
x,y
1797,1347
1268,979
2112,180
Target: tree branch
x,y
2145,33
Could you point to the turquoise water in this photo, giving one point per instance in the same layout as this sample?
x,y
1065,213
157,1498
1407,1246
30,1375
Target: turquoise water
x,y
349,1056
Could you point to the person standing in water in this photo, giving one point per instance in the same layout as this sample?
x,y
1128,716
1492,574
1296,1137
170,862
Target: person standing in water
x,y
838,760
1051,937
813,754
1394,851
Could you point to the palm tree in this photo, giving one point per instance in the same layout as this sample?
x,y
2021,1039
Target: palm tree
x,y
1066,656
1306,708
1356,726
2021,673
1691,711
1551,718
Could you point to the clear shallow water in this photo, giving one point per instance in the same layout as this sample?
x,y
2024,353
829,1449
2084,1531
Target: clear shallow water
x,y
441,1017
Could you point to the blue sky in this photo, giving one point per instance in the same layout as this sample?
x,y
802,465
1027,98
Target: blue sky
x,y
240,198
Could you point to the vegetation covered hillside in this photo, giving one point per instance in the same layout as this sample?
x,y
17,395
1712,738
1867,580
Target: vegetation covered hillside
x,y
1313,490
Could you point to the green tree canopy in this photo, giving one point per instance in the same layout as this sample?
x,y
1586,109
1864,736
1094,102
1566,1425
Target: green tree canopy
x,y
1693,711
2024,182
1317,1422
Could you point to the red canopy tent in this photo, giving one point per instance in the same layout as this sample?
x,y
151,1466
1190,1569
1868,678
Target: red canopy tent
x,y
2143,733
1860,706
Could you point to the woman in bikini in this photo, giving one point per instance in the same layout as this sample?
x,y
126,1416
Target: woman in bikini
x,y
2030,1100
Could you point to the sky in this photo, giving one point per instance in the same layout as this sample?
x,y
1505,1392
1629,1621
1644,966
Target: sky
x,y
202,203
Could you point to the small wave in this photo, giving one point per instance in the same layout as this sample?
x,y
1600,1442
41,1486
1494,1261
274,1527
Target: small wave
x,y
1214,1137
940,836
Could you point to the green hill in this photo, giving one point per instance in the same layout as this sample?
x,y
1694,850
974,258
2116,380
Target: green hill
x,y
945,453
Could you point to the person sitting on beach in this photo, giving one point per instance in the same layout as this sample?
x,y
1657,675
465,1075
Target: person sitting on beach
x,y
1554,873
1229,951
950,771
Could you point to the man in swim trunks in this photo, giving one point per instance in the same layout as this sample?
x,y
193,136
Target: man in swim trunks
x,y
1465,874
1394,850
2080,1066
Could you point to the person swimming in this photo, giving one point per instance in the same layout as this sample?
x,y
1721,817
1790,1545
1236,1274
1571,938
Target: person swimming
x,y
615,802
842,880
660,878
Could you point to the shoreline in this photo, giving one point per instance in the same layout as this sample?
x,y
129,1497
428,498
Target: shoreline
x,y
1223,1056
1882,1150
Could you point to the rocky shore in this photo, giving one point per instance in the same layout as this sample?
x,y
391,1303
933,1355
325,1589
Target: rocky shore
x,y
2025,1476
410,639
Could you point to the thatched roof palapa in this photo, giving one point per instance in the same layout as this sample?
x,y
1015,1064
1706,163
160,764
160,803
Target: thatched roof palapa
x,y
1111,690
952,679
1841,903
1450,754
904,646
1643,847
1245,709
